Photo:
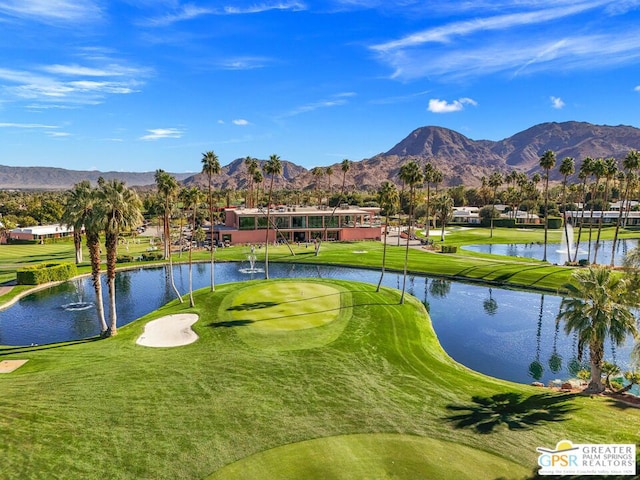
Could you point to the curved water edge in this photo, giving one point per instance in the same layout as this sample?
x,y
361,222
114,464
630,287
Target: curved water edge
x,y
503,333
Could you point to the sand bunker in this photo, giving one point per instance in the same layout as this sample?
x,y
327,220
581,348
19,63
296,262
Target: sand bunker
x,y
8,366
169,331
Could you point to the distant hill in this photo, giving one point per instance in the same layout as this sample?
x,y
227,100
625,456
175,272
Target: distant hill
x,y
461,159
59,178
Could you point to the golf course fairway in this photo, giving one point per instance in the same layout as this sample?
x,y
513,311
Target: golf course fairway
x,y
304,378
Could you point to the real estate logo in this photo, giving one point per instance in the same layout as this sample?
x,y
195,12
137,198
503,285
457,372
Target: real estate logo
x,y
587,459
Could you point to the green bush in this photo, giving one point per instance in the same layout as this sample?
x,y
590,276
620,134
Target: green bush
x,y
124,259
448,249
583,262
555,222
500,222
46,272
146,256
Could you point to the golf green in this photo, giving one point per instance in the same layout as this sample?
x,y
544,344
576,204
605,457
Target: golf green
x,y
290,315
370,456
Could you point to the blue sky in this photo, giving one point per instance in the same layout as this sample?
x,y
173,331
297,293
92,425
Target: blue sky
x,y
138,85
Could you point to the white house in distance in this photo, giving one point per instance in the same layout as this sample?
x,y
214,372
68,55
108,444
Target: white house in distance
x,y
40,232
471,215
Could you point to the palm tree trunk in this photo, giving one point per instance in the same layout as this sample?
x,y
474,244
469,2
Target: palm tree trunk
x,y
212,250
595,383
384,252
77,243
600,223
266,242
593,194
619,221
93,244
406,251
546,216
584,200
192,303
564,213
111,245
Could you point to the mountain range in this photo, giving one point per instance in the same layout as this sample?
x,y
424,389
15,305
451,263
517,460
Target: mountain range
x,y
461,159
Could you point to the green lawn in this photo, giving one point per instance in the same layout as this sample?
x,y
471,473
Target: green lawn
x,y
376,397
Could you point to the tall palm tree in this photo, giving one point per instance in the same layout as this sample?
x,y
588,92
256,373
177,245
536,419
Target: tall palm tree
x,y
81,210
631,163
258,179
610,172
443,207
598,308
567,167
191,199
411,175
495,180
345,166
585,171
598,170
428,178
120,208
168,190
211,167
547,162
388,199
317,173
75,212
328,172
252,167
271,167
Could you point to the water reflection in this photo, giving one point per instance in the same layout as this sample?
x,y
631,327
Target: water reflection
x,y
500,342
557,253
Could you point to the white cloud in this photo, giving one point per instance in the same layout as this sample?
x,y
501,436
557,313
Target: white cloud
x,y
442,106
556,102
637,89
241,122
57,11
265,7
58,134
529,38
244,63
26,125
158,133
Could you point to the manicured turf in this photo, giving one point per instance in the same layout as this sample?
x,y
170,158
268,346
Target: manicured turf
x,y
113,409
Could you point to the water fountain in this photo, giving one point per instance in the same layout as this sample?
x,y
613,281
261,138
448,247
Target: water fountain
x,y
252,265
568,250
80,304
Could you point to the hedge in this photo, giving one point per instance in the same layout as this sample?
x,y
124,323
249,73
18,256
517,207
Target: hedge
x,y
46,272
448,249
152,256
124,259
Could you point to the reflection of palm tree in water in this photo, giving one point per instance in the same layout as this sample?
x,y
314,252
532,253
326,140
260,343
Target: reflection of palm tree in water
x,y
574,365
440,287
412,281
490,305
535,368
555,360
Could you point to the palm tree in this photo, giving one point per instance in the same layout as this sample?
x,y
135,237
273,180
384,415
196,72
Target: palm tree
x,y
610,171
443,207
495,180
75,213
567,167
252,167
168,190
258,179
547,162
585,171
328,172
411,175
631,163
598,171
81,210
120,208
271,167
428,178
191,199
345,166
317,173
211,167
388,199
598,308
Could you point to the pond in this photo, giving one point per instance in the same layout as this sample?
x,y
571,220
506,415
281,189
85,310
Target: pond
x,y
503,333
557,253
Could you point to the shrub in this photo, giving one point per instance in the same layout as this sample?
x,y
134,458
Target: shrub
x,y
583,262
124,259
448,249
147,256
555,222
46,272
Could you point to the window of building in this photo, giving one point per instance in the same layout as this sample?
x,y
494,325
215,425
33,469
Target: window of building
x,y
247,223
283,222
315,221
298,222
262,222
331,222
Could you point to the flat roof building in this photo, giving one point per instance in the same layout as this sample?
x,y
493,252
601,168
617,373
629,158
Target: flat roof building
x,y
299,224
